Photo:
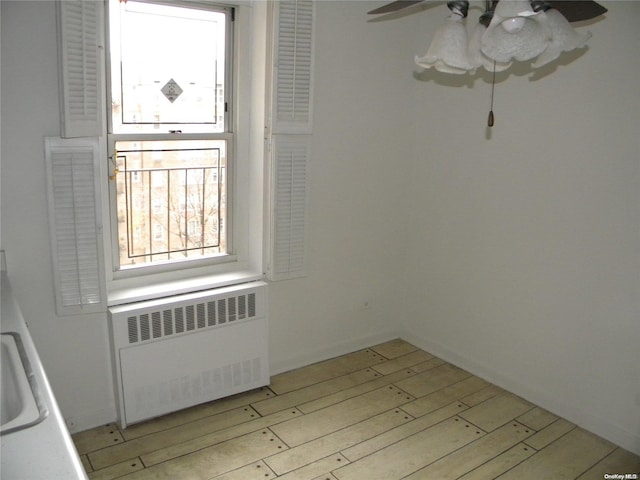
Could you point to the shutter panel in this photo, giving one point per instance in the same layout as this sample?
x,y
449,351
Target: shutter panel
x,y
75,225
291,126
291,155
293,72
80,34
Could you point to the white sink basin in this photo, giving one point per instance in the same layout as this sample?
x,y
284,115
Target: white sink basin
x,y
20,406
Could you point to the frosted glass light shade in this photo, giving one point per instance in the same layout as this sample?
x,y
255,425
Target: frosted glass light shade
x,y
564,38
448,50
516,32
479,59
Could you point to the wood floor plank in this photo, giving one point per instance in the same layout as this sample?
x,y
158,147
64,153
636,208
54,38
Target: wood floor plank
x,y
118,470
401,432
537,418
394,348
327,445
550,433
314,392
501,463
619,461
480,396
351,392
86,463
218,459
474,454
321,371
428,365
318,468
566,458
196,413
444,396
143,445
97,438
252,471
432,380
374,414
204,441
405,361
412,453
497,411
326,476
322,422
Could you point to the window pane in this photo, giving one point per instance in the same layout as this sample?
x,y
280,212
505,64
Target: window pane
x,y
168,68
171,200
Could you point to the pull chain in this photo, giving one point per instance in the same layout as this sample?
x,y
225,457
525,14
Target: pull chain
x,y
493,87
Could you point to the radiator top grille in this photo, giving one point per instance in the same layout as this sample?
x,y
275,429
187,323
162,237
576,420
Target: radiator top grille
x,y
175,320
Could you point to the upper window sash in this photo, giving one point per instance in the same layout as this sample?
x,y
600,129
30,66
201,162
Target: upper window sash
x,y
184,79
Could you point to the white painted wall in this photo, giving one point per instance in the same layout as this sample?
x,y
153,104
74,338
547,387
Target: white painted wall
x,y
73,349
526,246
357,190
516,256
358,196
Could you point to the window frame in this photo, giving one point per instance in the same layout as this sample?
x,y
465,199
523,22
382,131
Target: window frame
x,y
245,219
227,136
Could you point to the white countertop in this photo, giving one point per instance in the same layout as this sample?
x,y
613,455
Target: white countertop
x,y
44,451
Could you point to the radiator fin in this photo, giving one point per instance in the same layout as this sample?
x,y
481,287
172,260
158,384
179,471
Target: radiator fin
x,y
167,317
190,318
211,313
132,325
187,318
144,327
179,316
222,310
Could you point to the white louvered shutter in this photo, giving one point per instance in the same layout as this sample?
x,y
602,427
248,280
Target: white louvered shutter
x,y
293,72
291,128
291,155
75,225
80,34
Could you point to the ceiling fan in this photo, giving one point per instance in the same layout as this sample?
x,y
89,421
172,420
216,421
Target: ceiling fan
x,y
573,11
509,30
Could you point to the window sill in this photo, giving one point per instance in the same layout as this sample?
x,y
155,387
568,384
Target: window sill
x,y
165,289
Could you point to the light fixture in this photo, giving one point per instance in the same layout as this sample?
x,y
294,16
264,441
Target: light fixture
x,y
448,50
563,38
508,31
516,32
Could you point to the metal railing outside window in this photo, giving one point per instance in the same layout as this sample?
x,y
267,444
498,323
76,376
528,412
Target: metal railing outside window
x,y
169,213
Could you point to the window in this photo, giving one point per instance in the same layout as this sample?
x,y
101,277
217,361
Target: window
x,y
170,133
160,166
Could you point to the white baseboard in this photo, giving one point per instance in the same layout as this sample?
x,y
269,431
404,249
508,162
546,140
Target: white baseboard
x,y
330,351
588,421
80,423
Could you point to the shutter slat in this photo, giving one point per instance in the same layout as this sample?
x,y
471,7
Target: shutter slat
x,y
74,213
291,155
80,43
293,75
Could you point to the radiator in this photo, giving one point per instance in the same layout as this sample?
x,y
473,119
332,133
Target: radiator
x,y
176,352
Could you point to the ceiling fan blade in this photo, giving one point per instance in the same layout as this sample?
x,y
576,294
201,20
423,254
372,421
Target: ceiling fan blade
x,y
577,11
394,6
572,10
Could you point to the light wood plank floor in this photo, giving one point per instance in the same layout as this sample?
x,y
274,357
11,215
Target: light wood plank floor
x,y
388,412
